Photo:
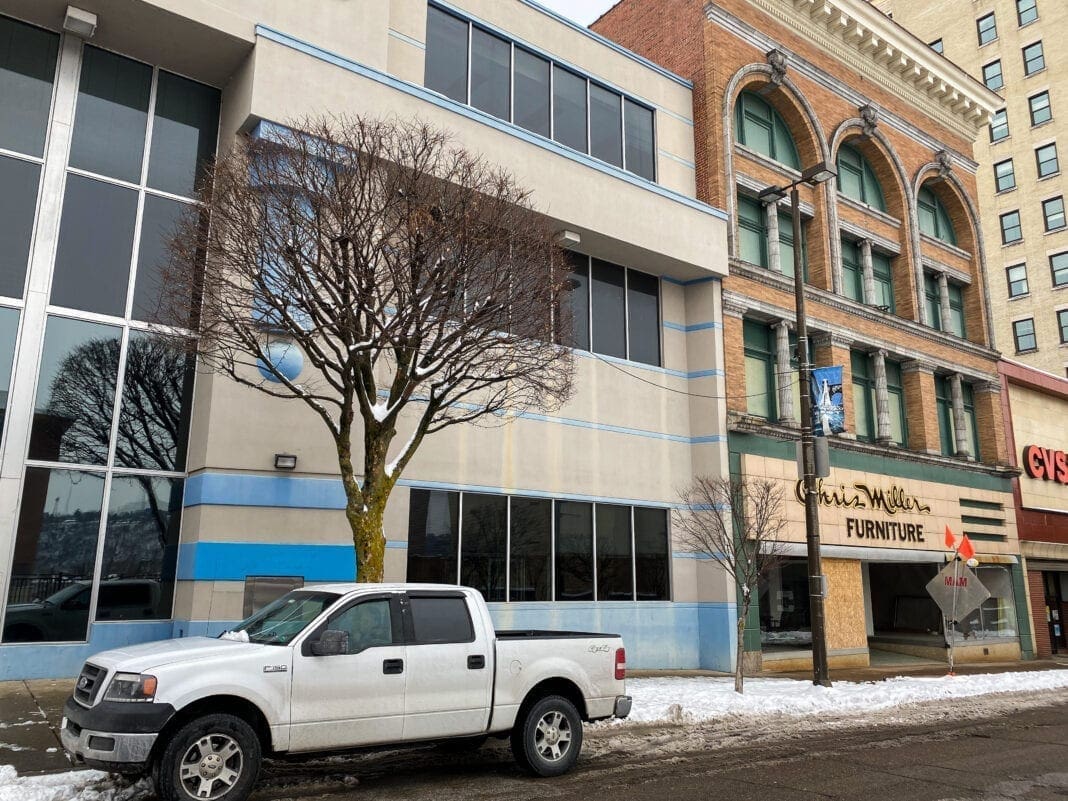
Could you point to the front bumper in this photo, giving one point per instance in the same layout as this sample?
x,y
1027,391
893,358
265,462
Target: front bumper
x,y
112,735
623,704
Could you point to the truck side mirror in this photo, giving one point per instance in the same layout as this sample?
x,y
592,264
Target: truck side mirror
x,y
331,643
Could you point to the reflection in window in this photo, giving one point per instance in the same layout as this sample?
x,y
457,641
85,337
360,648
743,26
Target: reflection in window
x,y
18,202
569,108
651,554
27,70
75,392
761,128
156,396
368,624
934,219
531,92
491,61
638,122
615,581
625,306
159,222
608,298
752,232
95,247
55,556
574,551
446,54
111,116
759,369
785,621
643,317
856,178
433,527
531,549
996,616
9,328
184,130
484,544
140,548
579,297
606,125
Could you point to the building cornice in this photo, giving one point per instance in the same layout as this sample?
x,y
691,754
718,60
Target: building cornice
x,y
941,90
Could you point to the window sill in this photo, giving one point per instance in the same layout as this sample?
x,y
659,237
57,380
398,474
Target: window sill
x,y
1012,244
1027,352
1058,230
1051,175
1000,141
1037,125
1029,24
1036,72
1024,296
1007,191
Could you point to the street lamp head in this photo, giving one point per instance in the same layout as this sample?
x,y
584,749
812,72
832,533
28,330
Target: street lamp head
x,y
818,173
773,194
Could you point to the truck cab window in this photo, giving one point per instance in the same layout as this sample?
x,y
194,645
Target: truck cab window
x,y
368,624
440,620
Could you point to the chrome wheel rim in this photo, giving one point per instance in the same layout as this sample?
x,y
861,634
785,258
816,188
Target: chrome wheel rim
x,y
211,766
552,736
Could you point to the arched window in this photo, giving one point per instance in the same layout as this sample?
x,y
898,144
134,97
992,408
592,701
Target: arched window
x,y
856,178
934,219
759,127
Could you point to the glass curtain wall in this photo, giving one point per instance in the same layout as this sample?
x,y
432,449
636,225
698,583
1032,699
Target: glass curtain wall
x,y
99,514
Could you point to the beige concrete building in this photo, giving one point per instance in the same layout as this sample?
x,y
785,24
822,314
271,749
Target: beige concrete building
x,y
115,105
1015,47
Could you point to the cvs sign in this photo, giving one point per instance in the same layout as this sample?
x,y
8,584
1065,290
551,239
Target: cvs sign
x,y
1045,464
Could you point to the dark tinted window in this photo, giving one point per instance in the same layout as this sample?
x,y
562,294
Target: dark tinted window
x,y
9,328
433,523
580,301
651,553
446,54
615,580
641,154
438,620
75,392
569,108
531,539
606,125
643,313
95,246
485,544
27,70
18,201
574,551
609,317
112,114
531,92
491,64
184,130
159,223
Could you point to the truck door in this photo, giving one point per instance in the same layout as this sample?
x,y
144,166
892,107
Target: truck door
x,y
450,667
356,697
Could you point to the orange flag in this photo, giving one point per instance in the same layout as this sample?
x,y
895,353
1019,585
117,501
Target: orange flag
x,y
951,541
966,549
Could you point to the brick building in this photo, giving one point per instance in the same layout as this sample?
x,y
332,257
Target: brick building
x,y
896,294
1011,45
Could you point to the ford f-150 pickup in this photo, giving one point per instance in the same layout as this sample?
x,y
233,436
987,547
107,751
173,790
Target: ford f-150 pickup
x,y
337,667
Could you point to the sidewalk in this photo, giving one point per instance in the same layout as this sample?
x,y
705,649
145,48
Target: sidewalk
x,y
31,711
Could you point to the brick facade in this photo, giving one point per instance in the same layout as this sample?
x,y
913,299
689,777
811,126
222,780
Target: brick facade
x,y
1036,592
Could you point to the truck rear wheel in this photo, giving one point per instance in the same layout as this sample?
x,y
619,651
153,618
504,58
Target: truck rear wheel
x,y
547,741
211,758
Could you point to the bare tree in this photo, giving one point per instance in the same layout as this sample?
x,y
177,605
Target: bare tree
x,y
737,522
417,280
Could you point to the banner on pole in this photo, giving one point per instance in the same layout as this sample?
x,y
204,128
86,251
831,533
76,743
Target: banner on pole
x,y
828,409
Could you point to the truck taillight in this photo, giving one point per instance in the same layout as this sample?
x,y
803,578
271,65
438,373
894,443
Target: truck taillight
x,y
621,664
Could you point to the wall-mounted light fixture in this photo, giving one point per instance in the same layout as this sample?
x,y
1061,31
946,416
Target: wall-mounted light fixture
x,y
285,461
79,22
568,239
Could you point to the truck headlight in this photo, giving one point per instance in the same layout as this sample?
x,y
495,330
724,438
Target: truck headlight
x,y
131,687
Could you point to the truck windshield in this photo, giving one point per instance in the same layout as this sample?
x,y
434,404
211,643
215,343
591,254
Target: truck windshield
x,y
282,620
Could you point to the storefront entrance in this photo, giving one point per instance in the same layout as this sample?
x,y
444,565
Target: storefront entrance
x,y
1055,586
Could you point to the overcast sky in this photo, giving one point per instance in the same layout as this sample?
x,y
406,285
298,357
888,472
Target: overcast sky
x,y
582,11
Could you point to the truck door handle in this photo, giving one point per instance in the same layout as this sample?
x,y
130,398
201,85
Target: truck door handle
x,y
476,662
392,666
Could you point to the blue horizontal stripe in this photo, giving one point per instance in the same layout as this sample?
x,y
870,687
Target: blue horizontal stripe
x,y
234,561
704,373
299,492
677,159
482,117
708,439
689,329
398,544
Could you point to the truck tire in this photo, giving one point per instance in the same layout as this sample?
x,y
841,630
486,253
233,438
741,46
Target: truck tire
x,y
547,741
210,758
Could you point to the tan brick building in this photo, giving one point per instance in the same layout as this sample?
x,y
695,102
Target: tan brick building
x,y
1014,47
896,294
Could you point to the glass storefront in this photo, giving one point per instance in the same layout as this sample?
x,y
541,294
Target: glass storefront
x,y
785,622
105,434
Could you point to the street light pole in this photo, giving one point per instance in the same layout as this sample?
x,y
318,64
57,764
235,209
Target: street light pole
x,y
820,673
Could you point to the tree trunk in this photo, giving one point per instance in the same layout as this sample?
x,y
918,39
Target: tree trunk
x,y
740,655
365,519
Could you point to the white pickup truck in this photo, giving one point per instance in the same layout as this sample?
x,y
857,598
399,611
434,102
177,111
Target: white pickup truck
x,y
336,667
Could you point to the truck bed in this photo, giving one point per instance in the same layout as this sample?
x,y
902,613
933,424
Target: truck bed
x,y
544,634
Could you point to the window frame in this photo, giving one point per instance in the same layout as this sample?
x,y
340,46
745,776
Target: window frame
x,y
1020,10
943,229
1010,282
1046,214
1018,336
871,192
986,29
1004,181
1039,160
988,76
765,353
938,46
865,383
1054,270
1062,325
1003,116
1028,60
1004,230
1048,108
746,108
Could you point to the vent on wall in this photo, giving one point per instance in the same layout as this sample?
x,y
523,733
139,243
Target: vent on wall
x,y
983,520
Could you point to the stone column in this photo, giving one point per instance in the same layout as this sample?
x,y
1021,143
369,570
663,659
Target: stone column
x,y
868,271
882,399
771,217
943,297
960,425
784,374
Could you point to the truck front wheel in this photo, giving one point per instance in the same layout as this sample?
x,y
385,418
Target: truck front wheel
x,y
215,757
547,741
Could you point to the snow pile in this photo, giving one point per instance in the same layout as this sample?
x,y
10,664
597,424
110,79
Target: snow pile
x,y
75,785
699,699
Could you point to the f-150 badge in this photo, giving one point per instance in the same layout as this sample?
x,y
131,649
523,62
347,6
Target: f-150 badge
x,y
275,668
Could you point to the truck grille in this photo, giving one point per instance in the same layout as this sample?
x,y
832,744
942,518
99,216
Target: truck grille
x,y
89,684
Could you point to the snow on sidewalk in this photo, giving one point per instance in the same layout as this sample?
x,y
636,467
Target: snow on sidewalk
x,y
669,700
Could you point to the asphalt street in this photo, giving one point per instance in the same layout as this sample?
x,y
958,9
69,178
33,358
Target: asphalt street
x,y
1018,755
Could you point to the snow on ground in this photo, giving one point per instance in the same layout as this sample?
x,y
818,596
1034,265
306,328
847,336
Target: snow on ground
x,y
675,700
